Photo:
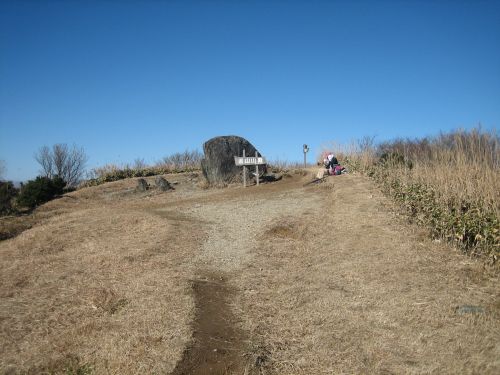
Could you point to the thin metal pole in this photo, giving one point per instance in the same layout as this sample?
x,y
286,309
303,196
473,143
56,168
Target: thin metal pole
x,y
256,168
305,163
244,171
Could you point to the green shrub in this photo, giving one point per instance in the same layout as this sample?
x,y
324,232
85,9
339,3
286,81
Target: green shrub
x,y
393,158
7,193
40,190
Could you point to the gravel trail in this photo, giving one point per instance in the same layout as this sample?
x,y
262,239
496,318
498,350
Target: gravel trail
x,y
237,225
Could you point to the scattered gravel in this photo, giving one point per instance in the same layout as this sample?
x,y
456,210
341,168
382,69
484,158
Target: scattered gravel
x,y
237,225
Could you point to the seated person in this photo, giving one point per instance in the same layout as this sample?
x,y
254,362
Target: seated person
x,y
331,164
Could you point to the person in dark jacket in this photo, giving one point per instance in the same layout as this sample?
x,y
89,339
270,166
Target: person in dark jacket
x,y
332,161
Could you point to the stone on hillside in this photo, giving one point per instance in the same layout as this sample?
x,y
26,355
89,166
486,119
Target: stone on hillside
x,y
218,165
469,309
142,185
162,184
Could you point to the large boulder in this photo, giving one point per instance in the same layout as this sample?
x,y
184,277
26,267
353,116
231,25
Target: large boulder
x,y
218,165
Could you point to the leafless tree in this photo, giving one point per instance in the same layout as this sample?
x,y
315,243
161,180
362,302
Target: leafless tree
x,y
2,168
63,161
181,160
139,164
366,143
44,158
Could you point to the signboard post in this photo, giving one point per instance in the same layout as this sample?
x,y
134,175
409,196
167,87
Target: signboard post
x,y
248,161
306,149
257,169
244,172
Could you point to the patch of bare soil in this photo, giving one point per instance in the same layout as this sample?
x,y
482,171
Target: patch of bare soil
x,y
11,226
217,343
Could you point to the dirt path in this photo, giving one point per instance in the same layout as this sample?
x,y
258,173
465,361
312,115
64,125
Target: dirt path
x,y
217,343
279,279
237,225
328,279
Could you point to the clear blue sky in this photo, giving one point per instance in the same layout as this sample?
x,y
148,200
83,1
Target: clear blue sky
x,y
143,79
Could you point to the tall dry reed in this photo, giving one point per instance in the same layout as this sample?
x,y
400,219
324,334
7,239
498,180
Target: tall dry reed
x,y
450,182
462,166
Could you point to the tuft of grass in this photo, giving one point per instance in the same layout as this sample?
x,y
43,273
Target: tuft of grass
x,y
110,173
283,166
79,370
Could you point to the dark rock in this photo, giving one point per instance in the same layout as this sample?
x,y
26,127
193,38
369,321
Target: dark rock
x,y
218,166
271,178
142,185
162,184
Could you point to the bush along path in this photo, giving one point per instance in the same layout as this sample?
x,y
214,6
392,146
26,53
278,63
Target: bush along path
x,y
472,226
448,183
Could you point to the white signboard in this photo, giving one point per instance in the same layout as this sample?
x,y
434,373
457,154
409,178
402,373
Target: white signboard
x,y
249,160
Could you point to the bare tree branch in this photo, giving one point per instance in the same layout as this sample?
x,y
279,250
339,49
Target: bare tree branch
x,y
44,158
60,156
2,168
67,163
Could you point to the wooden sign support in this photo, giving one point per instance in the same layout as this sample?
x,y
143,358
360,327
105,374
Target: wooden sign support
x,y
244,172
249,161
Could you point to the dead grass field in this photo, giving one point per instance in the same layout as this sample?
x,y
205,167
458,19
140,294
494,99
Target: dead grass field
x,y
317,279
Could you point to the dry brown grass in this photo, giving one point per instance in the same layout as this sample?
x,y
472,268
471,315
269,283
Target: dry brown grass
x,y
355,155
463,165
359,292
283,166
285,228
100,283
324,279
